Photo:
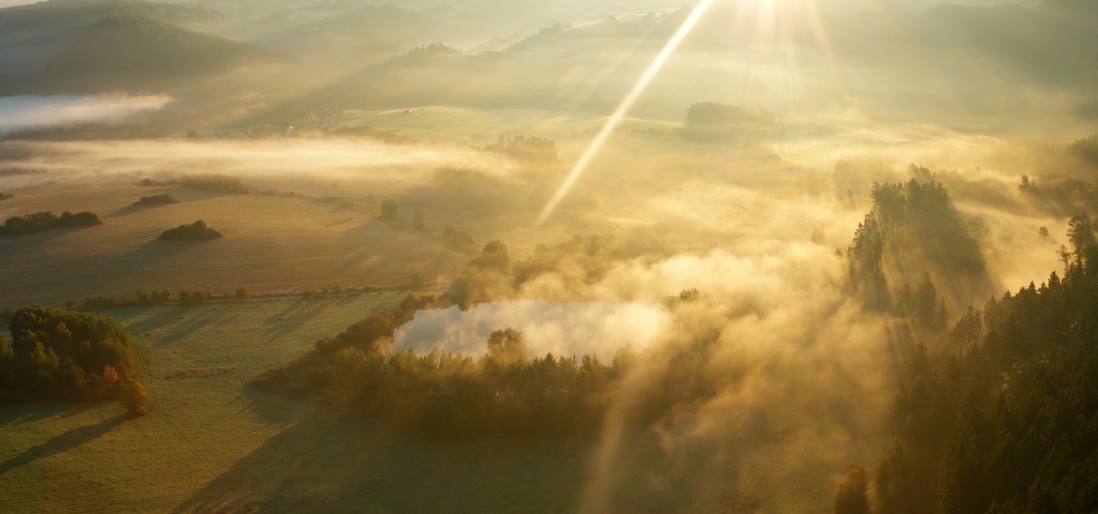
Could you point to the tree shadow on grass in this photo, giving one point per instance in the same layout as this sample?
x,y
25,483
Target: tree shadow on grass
x,y
131,208
138,260
330,461
290,319
174,320
195,318
63,443
26,412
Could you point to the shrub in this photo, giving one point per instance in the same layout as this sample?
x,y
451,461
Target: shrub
x,y
157,199
196,231
458,239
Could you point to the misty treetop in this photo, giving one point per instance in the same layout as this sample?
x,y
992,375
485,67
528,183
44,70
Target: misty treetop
x,y
530,149
41,221
214,182
1086,149
716,114
493,274
63,355
197,231
458,239
714,121
915,226
1060,196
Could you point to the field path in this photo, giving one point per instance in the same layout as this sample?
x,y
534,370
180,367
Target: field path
x,y
160,413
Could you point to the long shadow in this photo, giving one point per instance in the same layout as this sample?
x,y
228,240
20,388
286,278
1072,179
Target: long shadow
x,y
43,235
288,320
318,456
62,443
140,258
128,317
132,208
178,320
194,321
337,462
24,412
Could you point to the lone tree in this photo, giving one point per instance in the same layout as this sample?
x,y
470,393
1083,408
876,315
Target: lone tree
x,y
133,397
389,210
417,220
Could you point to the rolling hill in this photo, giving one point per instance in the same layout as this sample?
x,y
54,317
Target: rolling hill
x,y
136,51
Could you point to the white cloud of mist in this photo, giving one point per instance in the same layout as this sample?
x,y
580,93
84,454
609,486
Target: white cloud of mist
x,y
34,112
580,328
383,166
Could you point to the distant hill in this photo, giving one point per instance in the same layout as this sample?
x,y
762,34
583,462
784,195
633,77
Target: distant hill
x,y
140,52
34,33
363,36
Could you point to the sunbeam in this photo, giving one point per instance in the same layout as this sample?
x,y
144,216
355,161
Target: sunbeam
x,y
623,109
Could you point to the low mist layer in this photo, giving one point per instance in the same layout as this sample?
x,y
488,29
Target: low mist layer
x,y
37,112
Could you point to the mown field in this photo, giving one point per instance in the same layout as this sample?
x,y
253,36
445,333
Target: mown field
x,y
211,444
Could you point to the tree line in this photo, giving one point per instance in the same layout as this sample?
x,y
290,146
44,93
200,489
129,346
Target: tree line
x,y
507,392
530,149
46,220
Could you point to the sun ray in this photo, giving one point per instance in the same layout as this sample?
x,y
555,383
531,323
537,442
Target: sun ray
x,y
623,109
